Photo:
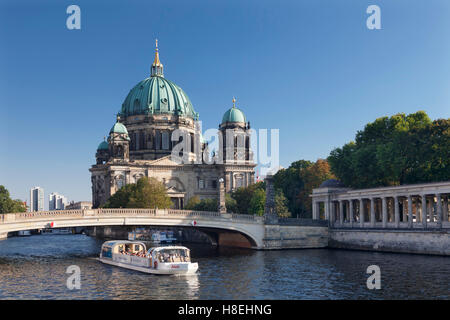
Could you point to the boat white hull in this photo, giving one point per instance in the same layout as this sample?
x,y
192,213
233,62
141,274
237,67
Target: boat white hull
x,y
191,268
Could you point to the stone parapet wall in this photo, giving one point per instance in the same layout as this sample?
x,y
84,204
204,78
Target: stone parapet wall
x,y
295,237
407,241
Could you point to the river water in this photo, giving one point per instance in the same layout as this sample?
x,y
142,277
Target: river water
x,y
35,268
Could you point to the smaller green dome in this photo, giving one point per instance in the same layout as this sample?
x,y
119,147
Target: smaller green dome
x,y
103,146
233,115
118,128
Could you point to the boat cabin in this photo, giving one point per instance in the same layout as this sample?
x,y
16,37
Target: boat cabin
x,y
170,254
131,248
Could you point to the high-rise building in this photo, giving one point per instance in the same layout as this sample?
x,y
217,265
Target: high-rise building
x,y
36,199
57,201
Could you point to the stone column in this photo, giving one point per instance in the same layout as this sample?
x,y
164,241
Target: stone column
x,y
341,212
314,210
424,210
350,202
404,212
396,212
361,212
327,209
269,207
332,213
385,213
222,208
430,209
439,210
445,216
372,212
410,213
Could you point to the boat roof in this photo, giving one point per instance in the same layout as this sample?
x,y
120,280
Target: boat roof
x,y
168,247
116,242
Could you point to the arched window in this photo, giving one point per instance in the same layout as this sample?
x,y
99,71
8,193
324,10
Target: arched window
x,y
165,140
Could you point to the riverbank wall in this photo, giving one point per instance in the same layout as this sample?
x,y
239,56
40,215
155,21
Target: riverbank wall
x,y
433,242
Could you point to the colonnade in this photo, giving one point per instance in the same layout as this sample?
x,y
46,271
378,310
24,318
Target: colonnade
x,y
378,208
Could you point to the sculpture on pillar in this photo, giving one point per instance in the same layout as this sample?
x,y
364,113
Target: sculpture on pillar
x,y
269,207
222,207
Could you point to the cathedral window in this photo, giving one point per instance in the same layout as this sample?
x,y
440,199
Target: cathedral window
x,y
165,140
157,140
201,184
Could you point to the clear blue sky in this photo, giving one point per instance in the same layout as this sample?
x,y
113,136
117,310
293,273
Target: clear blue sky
x,y
310,68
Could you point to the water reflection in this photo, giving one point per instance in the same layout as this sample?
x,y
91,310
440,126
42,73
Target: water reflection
x,y
34,268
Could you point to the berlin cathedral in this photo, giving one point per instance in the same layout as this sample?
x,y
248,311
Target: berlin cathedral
x,y
143,140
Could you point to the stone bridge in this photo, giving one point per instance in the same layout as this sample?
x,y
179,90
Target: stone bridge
x,y
239,230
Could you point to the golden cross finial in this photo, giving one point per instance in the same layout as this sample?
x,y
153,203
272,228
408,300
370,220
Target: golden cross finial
x,y
234,102
156,44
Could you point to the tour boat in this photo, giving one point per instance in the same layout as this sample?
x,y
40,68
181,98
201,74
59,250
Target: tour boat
x,y
24,233
157,260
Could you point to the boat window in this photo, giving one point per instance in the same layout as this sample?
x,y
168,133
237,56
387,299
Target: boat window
x,y
173,255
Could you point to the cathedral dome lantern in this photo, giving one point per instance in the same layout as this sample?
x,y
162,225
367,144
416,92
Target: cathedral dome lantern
x,y
102,154
234,118
157,95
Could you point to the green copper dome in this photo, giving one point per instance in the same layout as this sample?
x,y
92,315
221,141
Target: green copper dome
x,y
157,95
118,128
233,115
103,146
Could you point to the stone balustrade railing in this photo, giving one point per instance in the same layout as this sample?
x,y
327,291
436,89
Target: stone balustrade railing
x,y
65,214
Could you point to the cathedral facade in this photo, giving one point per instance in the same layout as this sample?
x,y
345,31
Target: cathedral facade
x,y
157,135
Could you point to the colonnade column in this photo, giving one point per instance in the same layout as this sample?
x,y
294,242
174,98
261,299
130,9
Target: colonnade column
x,y
385,213
332,214
361,212
445,217
410,214
314,210
341,212
372,212
424,210
327,210
396,212
350,202
439,210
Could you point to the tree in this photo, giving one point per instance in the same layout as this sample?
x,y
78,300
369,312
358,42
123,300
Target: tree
x,y
243,196
281,204
291,183
257,202
402,149
208,204
146,193
312,177
8,205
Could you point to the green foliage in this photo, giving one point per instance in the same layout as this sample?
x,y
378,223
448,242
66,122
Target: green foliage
x,y
231,204
297,182
281,203
196,204
146,193
243,196
257,202
393,151
8,205
291,183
